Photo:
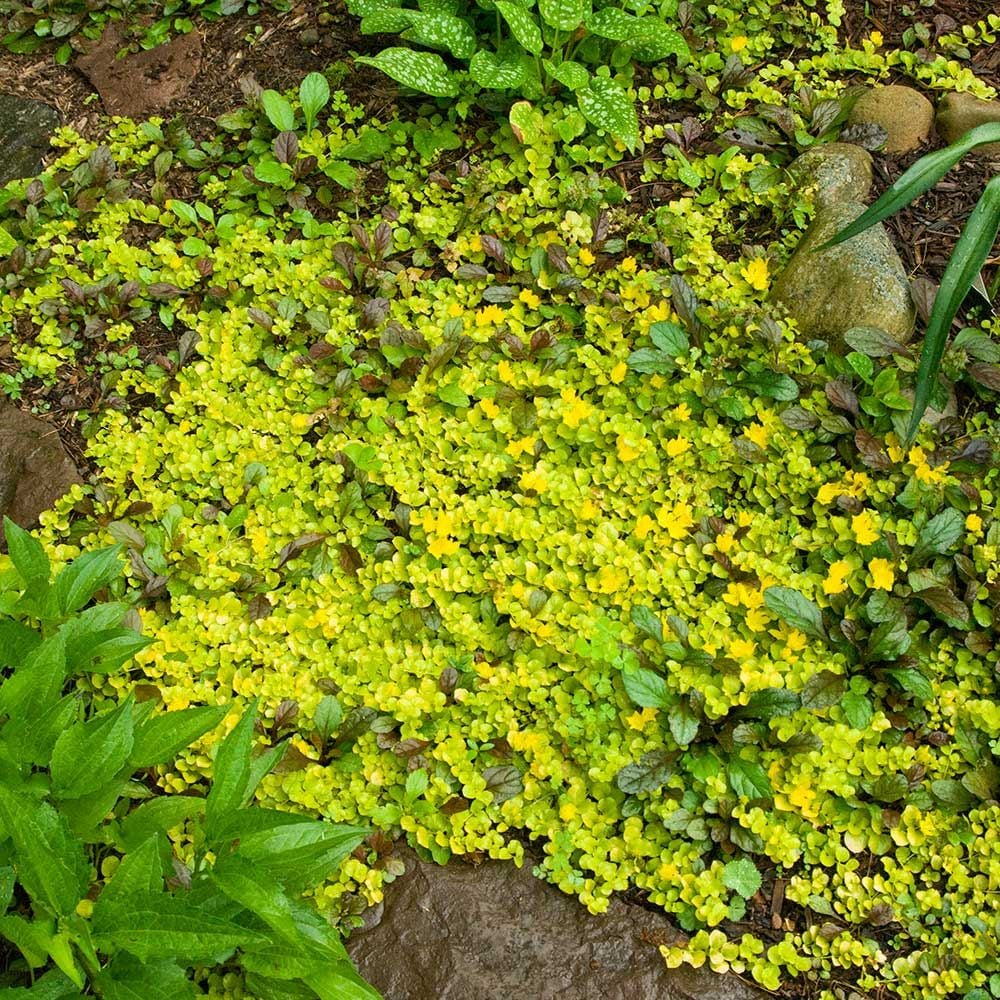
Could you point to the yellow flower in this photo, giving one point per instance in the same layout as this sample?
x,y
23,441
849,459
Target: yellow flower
x,y
644,526
836,579
796,641
455,310
517,448
589,510
626,450
677,446
619,372
757,619
828,492
442,547
529,298
567,811
489,408
611,579
577,409
628,265
742,649
534,480
639,720
489,316
759,434
677,519
974,523
586,256
505,371
738,44
883,574
802,797
876,38
864,527
725,542
681,412
756,274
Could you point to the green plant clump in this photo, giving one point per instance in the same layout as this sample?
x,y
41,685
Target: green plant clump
x,y
521,510
95,900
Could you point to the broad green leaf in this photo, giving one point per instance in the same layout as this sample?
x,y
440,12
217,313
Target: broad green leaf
x,y
29,558
104,652
607,106
741,876
371,145
231,770
522,24
30,937
328,716
16,642
952,794
889,641
795,610
140,871
159,739
921,177
273,172
494,73
262,765
772,385
913,682
89,754
648,361
37,685
50,861
964,266
684,725
425,72
613,23
279,111
770,703
647,622
341,173
158,926
748,780
857,710
653,41
314,95
669,338
565,15
340,981
77,583
938,535
822,690
652,771
646,689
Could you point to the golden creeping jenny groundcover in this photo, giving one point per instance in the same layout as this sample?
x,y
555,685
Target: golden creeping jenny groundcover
x,y
581,552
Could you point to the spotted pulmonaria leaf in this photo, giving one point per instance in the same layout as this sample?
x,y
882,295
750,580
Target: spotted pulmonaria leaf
x,y
422,71
522,24
572,75
494,73
441,31
566,15
606,106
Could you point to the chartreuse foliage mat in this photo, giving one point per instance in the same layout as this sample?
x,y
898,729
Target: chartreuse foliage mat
x,y
517,529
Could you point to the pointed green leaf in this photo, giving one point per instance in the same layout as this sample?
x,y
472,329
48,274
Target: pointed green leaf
x,y
748,780
646,689
159,739
50,862
89,754
29,558
795,610
279,112
77,583
140,871
231,770
314,95
572,75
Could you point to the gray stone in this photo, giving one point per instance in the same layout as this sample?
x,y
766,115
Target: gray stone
x,y
493,931
25,129
957,113
35,469
858,283
905,114
839,171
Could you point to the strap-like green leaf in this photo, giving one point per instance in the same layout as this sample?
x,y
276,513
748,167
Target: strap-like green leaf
x,y
77,583
922,176
231,770
966,261
89,754
161,738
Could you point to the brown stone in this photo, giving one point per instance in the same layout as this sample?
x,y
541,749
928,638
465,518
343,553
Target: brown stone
x,y
140,83
957,113
35,470
493,931
905,114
